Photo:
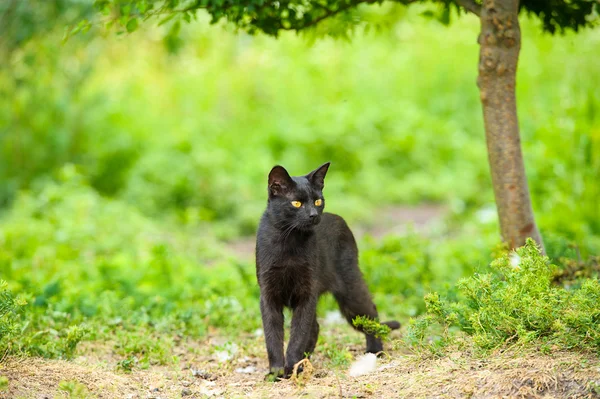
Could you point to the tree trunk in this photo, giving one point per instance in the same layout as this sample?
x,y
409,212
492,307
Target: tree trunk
x,y
500,42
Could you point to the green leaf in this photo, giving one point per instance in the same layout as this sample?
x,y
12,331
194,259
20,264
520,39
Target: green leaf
x,y
85,25
444,17
428,14
132,25
142,6
166,19
172,40
65,37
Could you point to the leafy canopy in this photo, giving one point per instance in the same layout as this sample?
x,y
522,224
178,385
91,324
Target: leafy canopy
x,y
271,17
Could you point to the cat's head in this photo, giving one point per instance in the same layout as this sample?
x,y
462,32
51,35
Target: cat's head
x,y
296,202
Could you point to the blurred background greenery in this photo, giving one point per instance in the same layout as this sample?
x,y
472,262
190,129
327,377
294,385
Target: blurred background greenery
x,y
130,163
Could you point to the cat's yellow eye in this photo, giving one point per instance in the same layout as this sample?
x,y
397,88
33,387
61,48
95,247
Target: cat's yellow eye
x,y
296,204
319,202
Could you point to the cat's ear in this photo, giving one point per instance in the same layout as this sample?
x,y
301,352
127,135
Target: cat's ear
x,y
317,176
279,181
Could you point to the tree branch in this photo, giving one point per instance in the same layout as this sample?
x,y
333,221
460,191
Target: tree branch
x,y
470,6
329,12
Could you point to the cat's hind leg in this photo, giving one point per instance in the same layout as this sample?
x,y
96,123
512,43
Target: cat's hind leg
x,y
355,300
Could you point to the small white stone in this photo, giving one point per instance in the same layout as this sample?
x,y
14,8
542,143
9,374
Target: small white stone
x,y
363,365
230,349
246,370
205,390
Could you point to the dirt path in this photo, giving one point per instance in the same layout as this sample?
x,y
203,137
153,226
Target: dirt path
x,y
559,375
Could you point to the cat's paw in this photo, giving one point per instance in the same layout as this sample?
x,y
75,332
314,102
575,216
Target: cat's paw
x,y
375,348
289,370
275,374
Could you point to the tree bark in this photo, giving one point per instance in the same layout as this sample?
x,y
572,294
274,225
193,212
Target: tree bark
x,y
500,42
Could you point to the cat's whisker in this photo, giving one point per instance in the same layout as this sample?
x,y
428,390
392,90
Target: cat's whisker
x,y
288,231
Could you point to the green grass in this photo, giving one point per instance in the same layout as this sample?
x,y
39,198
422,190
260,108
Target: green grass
x,y
75,390
144,283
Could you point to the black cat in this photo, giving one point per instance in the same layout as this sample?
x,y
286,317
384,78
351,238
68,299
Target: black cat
x,y
302,252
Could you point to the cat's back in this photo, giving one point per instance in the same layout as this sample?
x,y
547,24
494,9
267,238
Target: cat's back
x,y
334,230
331,220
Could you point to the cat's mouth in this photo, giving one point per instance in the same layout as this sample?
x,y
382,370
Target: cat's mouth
x,y
305,225
310,224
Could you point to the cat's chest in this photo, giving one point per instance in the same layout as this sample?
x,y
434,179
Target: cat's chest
x,y
290,277
292,253
291,283
288,264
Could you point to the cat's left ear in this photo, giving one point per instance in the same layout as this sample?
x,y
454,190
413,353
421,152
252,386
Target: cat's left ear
x,y
280,181
317,176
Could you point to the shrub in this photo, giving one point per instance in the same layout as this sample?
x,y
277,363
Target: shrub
x,y
10,309
517,303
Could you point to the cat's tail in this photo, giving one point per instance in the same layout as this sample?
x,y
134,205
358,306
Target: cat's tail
x,y
393,324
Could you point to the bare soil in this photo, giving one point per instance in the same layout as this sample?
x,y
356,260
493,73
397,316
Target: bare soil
x,y
402,375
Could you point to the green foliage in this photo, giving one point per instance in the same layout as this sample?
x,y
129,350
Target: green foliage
x,y
571,271
127,364
112,273
271,18
372,327
562,14
93,106
402,269
47,334
338,356
3,383
141,349
135,280
10,309
153,191
516,303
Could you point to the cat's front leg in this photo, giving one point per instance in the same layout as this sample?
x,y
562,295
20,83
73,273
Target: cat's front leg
x,y
272,318
302,327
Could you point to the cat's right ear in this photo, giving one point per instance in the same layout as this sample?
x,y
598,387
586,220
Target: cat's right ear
x,y
279,181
